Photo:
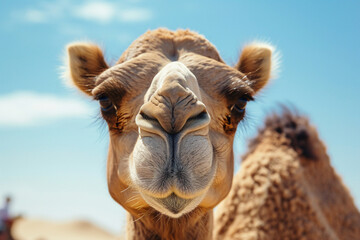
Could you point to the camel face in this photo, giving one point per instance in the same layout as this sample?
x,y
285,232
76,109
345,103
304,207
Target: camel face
x,y
172,107
172,162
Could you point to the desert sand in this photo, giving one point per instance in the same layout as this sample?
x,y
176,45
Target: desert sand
x,y
30,229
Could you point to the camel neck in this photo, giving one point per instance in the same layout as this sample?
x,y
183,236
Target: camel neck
x,y
157,226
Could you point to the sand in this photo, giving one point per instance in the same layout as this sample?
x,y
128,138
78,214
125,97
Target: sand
x,y
29,229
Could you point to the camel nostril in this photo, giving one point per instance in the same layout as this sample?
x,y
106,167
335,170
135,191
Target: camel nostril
x,y
187,114
148,124
197,121
200,116
146,117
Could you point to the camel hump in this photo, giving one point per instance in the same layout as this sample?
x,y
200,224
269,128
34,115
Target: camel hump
x,y
286,188
289,128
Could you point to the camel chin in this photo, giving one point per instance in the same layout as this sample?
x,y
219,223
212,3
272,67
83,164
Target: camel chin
x,y
173,206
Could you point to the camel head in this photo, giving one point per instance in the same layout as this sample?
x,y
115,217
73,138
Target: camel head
x,y
172,107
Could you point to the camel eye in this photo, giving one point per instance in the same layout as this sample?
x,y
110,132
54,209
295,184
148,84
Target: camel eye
x,y
240,105
105,103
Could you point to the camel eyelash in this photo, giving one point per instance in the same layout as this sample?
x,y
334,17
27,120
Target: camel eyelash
x,y
233,94
99,96
247,97
243,98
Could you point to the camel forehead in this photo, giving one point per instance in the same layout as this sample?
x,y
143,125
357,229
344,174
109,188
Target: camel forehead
x,y
171,44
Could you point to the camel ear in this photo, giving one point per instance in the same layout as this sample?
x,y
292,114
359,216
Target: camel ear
x,y
256,63
85,62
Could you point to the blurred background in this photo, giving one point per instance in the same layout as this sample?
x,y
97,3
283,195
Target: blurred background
x,y
52,145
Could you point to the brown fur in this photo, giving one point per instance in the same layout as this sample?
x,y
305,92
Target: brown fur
x,y
171,45
287,189
153,225
293,127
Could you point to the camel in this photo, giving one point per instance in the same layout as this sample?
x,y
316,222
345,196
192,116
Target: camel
x,y
287,189
172,107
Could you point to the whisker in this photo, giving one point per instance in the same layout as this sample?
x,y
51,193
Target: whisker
x,y
138,218
125,189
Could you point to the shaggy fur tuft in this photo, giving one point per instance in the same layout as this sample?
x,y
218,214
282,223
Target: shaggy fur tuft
x,y
291,126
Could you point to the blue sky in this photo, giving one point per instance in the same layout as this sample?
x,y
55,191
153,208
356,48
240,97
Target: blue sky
x,y
53,148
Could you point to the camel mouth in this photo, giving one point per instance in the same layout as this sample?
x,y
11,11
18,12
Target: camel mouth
x,y
173,205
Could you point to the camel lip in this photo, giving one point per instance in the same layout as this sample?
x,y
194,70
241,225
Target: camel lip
x,y
174,203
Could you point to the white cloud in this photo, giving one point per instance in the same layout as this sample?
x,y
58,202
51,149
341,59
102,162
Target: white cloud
x,y
45,12
97,11
29,108
35,16
135,15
